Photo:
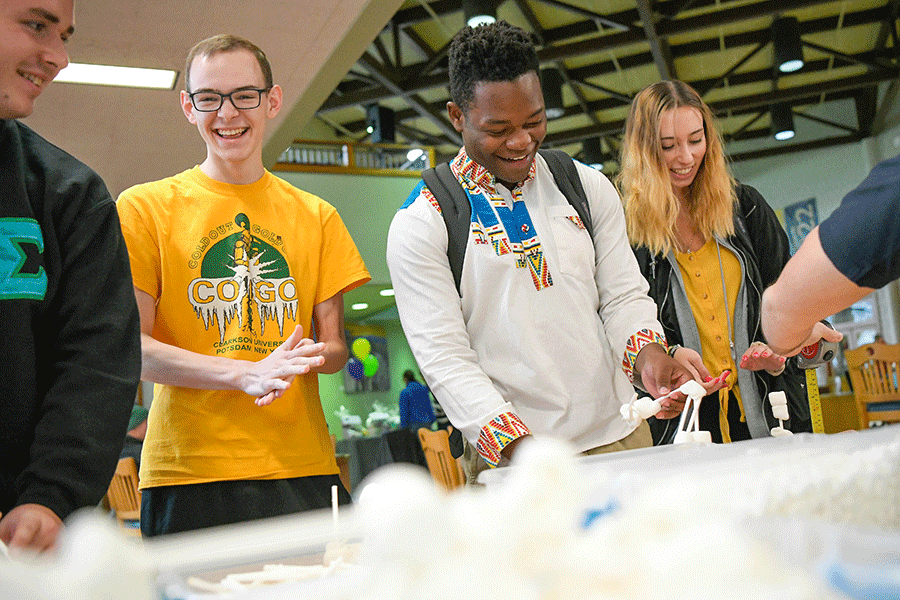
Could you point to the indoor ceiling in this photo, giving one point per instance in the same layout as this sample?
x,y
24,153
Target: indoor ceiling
x,y
607,51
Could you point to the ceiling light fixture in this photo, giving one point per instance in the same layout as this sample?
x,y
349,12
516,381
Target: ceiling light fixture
x,y
551,84
479,12
387,293
786,42
359,306
380,124
782,122
156,79
592,153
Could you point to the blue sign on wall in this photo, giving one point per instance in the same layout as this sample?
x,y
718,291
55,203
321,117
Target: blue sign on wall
x,y
799,219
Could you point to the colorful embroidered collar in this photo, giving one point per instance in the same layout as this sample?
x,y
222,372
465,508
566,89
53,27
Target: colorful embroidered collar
x,y
469,171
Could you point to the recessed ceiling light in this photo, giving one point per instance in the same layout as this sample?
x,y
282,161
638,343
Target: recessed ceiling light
x,y
157,79
359,306
387,292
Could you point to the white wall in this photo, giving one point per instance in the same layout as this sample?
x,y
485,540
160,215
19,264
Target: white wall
x,y
827,175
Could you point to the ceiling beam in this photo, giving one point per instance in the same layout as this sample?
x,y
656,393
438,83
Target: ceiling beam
x,y
828,122
418,104
792,148
659,48
820,66
887,103
613,22
798,95
866,102
424,79
722,78
877,63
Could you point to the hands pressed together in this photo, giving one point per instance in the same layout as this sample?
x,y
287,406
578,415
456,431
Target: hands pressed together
x,y
268,378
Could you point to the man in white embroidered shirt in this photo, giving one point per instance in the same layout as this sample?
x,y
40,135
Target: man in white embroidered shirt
x,y
548,327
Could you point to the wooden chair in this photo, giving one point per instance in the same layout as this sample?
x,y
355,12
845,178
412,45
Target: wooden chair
x,y
875,374
343,463
445,470
124,497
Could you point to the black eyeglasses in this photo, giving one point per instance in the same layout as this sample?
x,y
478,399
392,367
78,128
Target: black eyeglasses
x,y
244,99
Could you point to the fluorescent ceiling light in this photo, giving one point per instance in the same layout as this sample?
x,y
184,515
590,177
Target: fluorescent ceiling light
x,y
157,79
387,292
359,306
480,20
784,135
791,66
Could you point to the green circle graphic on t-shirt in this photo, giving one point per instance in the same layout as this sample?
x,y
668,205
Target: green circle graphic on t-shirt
x,y
219,260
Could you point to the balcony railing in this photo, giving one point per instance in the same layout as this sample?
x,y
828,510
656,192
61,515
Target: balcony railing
x,y
360,159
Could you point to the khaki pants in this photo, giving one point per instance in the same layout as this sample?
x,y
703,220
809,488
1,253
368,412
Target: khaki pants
x,y
473,464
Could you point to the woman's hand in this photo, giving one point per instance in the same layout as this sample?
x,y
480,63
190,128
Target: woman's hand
x,y
759,356
693,362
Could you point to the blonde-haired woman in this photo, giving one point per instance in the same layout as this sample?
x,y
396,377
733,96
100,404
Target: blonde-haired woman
x,y
708,247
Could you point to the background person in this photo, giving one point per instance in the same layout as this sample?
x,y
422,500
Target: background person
x,y
231,266
415,404
551,321
69,344
707,247
134,438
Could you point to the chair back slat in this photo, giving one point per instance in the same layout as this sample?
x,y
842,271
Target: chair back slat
x,y
441,464
123,495
875,374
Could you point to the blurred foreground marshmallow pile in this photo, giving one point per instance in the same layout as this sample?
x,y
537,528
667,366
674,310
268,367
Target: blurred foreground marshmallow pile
x,y
554,528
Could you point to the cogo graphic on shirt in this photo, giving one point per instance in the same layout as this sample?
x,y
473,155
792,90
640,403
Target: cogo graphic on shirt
x,y
22,274
244,277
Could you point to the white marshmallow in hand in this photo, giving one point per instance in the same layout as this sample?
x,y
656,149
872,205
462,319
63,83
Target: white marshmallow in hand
x,y
693,390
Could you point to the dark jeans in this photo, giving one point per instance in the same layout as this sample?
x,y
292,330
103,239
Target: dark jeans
x,y
176,508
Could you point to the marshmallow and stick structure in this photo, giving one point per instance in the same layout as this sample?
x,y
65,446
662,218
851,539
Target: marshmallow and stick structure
x,y
778,400
688,430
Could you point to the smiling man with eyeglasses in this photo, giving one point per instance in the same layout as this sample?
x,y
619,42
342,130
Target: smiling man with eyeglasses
x,y
232,267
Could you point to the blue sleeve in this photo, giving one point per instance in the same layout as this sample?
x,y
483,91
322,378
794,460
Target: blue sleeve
x,y
862,237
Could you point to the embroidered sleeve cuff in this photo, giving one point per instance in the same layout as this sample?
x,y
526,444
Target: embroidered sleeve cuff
x,y
635,344
497,434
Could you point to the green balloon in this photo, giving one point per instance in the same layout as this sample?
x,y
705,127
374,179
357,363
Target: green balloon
x,y
361,347
370,365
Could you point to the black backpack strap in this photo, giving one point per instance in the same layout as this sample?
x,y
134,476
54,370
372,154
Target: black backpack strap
x,y
569,183
457,213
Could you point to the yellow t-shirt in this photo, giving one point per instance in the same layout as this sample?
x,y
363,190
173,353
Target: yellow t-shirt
x,y
234,268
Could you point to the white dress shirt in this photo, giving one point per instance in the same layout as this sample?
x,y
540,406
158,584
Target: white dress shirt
x,y
552,357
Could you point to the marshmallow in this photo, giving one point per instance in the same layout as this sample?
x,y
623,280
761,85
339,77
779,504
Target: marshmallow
x,y
640,408
692,389
701,437
777,399
780,412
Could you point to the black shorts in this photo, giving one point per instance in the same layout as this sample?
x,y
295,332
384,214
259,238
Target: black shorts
x,y
176,508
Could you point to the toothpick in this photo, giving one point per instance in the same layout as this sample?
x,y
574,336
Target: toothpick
x,y
334,509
